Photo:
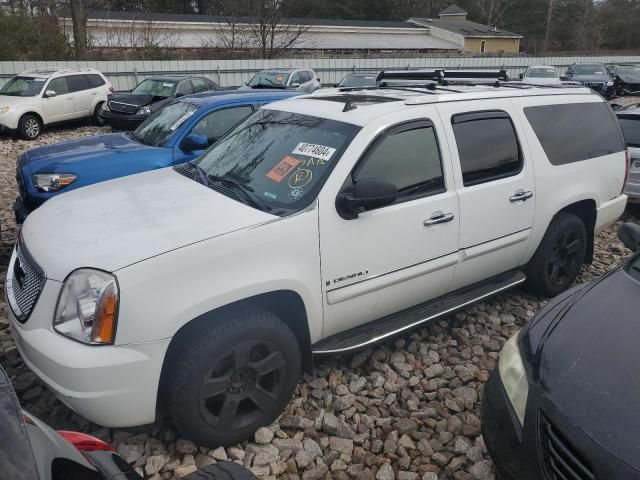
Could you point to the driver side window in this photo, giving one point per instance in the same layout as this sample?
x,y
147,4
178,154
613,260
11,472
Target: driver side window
x,y
58,85
296,78
184,88
216,124
407,156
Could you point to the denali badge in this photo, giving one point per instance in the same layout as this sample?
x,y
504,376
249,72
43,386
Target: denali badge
x,y
351,276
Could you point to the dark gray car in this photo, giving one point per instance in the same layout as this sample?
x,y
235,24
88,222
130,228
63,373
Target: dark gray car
x,y
626,79
592,75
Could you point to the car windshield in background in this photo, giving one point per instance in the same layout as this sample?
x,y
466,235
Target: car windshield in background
x,y
542,73
631,130
160,127
358,81
635,69
590,69
269,79
23,87
157,88
281,158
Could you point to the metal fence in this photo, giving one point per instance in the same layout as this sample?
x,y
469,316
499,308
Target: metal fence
x,y
126,74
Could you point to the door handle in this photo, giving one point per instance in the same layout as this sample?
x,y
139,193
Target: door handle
x,y
521,196
437,218
68,99
94,93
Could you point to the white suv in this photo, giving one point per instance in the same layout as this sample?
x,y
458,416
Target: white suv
x,y
47,96
319,225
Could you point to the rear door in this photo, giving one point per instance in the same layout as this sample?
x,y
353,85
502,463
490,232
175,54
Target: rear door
x,y
61,106
495,183
631,129
82,95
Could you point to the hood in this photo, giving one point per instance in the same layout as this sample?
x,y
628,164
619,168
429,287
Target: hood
x,y
591,78
629,77
542,81
589,362
9,101
63,157
116,223
139,99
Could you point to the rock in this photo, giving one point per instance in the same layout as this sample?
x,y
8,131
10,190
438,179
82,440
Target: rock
x,y
292,444
466,393
406,443
391,443
461,446
265,454
404,475
406,425
184,470
315,473
235,453
342,445
260,471
357,384
219,454
185,446
474,454
344,402
385,473
434,370
424,447
155,463
263,435
482,470
304,458
430,476
295,422
334,426
130,453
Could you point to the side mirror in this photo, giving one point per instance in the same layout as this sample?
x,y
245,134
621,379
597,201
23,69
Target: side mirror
x,y
193,142
521,76
294,85
366,194
629,235
564,78
50,93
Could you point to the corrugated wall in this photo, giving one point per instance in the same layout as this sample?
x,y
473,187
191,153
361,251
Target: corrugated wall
x,y
125,74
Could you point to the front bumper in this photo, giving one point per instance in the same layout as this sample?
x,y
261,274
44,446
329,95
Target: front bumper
x,y
122,121
113,386
523,453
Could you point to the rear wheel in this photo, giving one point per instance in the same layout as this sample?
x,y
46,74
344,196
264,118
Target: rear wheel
x,y
556,263
96,119
234,378
222,471
29,127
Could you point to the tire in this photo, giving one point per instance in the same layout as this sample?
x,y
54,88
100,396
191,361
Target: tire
x,y
29,126
556,263
250,362
222,471
96,119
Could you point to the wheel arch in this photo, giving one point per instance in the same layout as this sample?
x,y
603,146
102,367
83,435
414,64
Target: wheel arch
x,y
34,113
586,211
287,305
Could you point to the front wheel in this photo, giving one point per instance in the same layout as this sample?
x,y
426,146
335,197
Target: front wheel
x,y
29,127
556,263
234,378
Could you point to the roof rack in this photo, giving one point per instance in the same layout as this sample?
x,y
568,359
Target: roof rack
x,y
442,76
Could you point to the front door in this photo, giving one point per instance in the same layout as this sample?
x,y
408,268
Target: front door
x,y
61,106
391,258
495,183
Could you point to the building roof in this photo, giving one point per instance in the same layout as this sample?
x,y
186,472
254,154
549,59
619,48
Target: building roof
x,y
466,28
193,18
453,9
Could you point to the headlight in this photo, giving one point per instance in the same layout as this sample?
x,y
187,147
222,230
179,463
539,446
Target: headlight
x,y
87,308
514,377
52,182
609,84
4,110
146,110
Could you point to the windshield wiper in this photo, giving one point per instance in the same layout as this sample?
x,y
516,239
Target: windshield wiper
x,y
246,191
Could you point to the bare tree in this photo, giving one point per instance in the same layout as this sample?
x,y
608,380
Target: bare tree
x,y
548,25
229,30
79,22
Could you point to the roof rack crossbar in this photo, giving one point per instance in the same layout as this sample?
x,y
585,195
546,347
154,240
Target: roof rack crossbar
x,y
442,76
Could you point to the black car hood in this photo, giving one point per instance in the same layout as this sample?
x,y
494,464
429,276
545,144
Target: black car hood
x,y
139,99
589,364
591,78
629,77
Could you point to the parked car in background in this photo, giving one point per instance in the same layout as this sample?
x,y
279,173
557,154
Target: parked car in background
x,y
593,75
303,79
202,291
630,122
358,80
127,110
541,75
626,79
175,134
562,403
43,97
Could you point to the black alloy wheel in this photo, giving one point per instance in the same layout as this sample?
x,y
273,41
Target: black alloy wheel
x,y
566,259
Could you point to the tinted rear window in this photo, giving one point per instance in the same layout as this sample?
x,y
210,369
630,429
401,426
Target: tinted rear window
x,y
95,80
631,130
576,131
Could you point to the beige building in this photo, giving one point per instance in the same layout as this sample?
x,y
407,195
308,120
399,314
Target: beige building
x,y
474,37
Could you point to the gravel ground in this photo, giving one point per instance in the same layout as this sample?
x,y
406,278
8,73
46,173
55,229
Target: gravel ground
x,y
406,410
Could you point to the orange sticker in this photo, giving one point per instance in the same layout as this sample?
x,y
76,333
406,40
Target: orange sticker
x,y
283,168
279,79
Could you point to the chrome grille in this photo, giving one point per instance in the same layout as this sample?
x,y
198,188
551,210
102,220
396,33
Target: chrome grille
x,y
24,282
560,460
123,107
595,85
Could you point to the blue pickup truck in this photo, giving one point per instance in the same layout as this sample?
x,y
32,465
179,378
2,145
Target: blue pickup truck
x,y
176,134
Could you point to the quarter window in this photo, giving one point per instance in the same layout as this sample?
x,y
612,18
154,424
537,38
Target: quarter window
x,y
216,124
77,83
573,132
200,85
487,146
407,156
631,130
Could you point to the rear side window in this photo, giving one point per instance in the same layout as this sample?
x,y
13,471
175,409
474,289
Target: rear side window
x,y
77,83
408,157
95,80
631,130
487,146
200,85
575,131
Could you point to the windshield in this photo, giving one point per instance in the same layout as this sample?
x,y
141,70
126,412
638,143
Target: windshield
x,y
283,158
23,87
635,69
157,88
590,70
358,81
158,129
542,73
268,78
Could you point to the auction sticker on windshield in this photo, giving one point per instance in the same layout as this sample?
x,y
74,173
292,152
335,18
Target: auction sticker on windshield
x,y
316,151
283,168
181,120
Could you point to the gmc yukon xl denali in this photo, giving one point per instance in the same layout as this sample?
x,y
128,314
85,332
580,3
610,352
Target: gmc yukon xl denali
x,y
318,225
